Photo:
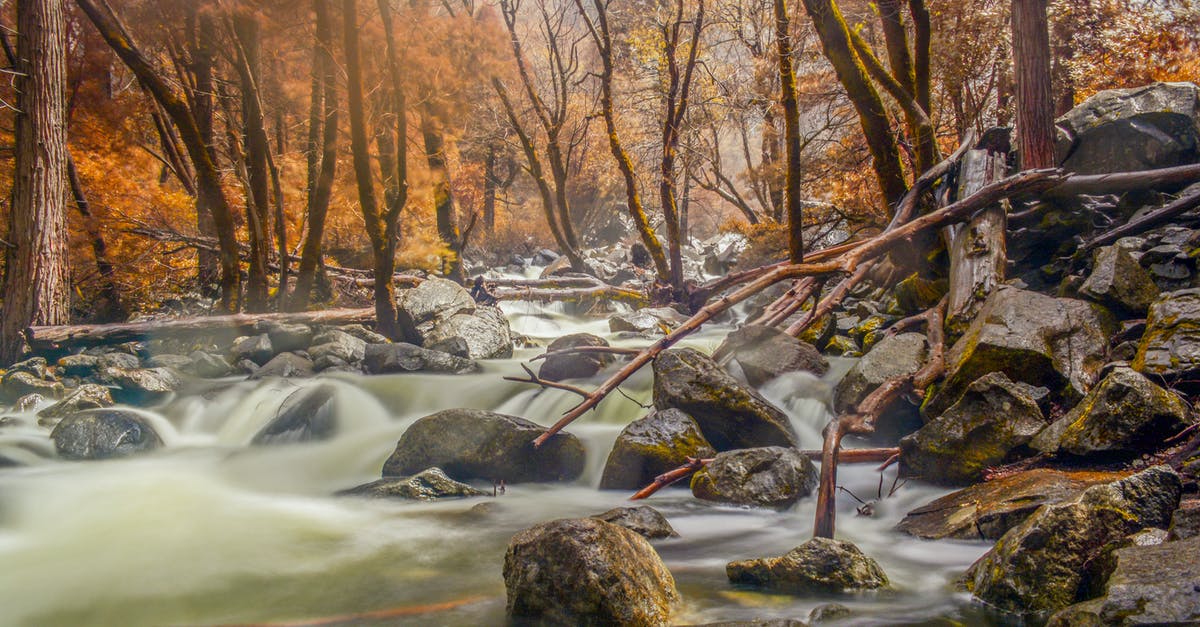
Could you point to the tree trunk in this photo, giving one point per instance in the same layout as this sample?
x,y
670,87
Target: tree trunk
x,y
1035,96
443,197
324,169
791,127
35,278
258,219
489,190
204,34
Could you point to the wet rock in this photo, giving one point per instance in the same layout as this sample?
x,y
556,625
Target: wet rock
x,y
829,612
427,485
648,320
1151,585
86,396
168,360
1124,130
1185,522
842,346
285,365
404,357
819,566
1030,337
544,257
36,366
992,422
363,333
586,572
139,386
577,365
985,511
895,356
307,414
650,446
729,414
287,337
476,444
766,622
1117,281
118,359
21,383
209,366
1125,414
79,365
338,344
103,434
28,402
1040,566
771,476
766,352
419,309
255,348
643,520
331,362
1170,347
484,334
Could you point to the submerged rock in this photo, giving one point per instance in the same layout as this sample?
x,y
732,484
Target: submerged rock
x,y
993,420
1042,565
643,520
764,353
766,477
650,446
103,434
819,566
729,414
427,485
404,357
577,365
478,444
307,414
586,572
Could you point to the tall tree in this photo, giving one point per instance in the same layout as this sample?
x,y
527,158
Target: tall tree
x,y
791,126
245,30
1035,98
35,278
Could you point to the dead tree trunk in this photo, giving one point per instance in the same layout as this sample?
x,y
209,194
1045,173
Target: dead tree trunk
x,y
1035,97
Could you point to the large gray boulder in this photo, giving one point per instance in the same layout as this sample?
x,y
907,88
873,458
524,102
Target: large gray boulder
x,y
1119,282
405,357
994,419
771,476
104,434
1126,414
305,415
286,336
1170,346
477,444
764,353
339,345
818,567
256,348
141,386
894,356
574,365
419,309
1151,585
648,320
1122,130
1041,565
1060,343
586,572
484,334
650,446
730,414
284,365
428,485
642,520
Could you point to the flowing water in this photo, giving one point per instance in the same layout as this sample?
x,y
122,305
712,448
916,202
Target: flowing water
x,y
209,530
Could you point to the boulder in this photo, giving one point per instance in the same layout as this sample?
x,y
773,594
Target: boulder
x,y
1170,347
994,420
103,434
404,357
986,510
643,520
771,476
477,444
818,567
287,337
118,359
730,415
576,365
651,446
1042,565
285,365
141,385
305,415
1150,585
1033,338
362,333
586,572
764,353
428,485
484,334
648,320
81,365
20,383
1119,282
209,366
334,343
86,396
894,356
169,360
1122,130
420,308
1185,522
256,348
1126,414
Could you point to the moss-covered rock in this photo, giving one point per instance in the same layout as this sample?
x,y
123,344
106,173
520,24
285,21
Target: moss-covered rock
x,y
819,566
1170,347
650,446
104,434
642,520
427,485
1119,282
730,415
477,444
1059,343
577,365
1041,565
586,572
771,476
1125,414
985,511
894,356
764,353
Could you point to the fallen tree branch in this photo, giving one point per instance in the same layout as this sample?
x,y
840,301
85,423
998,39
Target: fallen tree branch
x,y
1155,218
536,380
583,350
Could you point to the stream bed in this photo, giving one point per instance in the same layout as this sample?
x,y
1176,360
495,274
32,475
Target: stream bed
x,y
209,530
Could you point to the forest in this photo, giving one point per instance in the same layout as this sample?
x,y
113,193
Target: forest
x,y
903,293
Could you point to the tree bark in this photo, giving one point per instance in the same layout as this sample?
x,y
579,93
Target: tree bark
x,y
1035,96
245,29
36,273
791,128
204,33
978,253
